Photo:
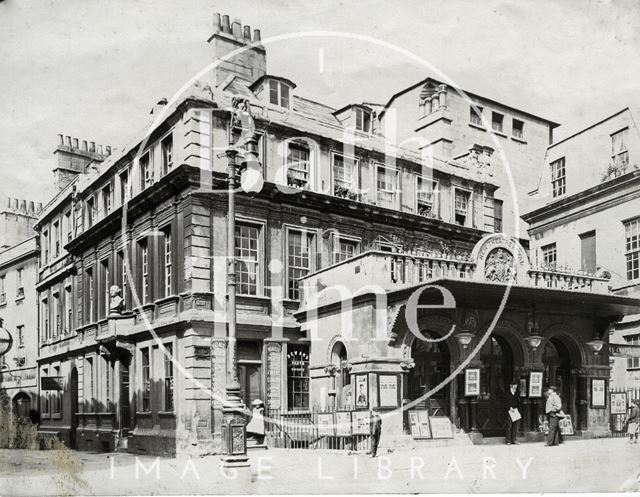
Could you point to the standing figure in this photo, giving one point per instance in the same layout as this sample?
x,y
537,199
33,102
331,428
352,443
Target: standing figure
x,y
255,428
375,429
632,421
554,413
513,416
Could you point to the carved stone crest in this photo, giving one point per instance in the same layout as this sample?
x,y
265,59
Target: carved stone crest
x,y
500,266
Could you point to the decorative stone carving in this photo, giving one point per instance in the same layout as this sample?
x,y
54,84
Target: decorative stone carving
x,y
500,266
116,302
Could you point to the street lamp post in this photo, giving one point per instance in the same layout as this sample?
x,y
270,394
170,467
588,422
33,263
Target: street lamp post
x,y
234,429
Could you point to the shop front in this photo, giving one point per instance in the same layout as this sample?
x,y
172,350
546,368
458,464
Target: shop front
x,y
446,338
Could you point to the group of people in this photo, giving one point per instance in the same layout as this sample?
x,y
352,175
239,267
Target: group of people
x,y
553,411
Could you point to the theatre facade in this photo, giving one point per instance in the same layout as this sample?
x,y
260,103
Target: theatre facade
x,y
408,333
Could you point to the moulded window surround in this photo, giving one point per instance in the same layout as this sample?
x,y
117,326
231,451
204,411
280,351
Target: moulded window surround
x,y
462,207
298,166
300,258
345,175
387,186
249,257
426,197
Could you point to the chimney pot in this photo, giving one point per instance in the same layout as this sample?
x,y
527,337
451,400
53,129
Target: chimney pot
x,y
226,28
100,149
15,204
23,205
61,139
75,143
39,206
236,28
84,145
31,206
256,36
69,141
92,146
108,149
217,24
247,33
9,202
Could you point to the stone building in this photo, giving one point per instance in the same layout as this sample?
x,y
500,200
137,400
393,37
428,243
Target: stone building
x,y
18,303
585,215
143,366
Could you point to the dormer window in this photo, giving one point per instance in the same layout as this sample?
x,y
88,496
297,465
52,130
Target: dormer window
x,y
278,93
274,90
363,120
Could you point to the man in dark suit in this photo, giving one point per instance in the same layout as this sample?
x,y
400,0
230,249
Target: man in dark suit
x,y
375,427
513,403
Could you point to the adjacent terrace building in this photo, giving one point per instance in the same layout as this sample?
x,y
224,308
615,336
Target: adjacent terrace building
x,y
151,219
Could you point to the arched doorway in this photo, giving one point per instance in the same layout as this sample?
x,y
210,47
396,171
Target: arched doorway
x,y
21,404
73,387
432,366
557,371
343,377
496,374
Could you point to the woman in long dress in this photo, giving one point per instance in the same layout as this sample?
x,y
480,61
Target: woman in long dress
x,y
255,428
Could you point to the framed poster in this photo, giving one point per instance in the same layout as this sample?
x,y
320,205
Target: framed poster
x,y
598,393
362,391
325,424
619,403
419,424
343,423
535,384
522,387
361,421
566,427
471,381
441,427
388,390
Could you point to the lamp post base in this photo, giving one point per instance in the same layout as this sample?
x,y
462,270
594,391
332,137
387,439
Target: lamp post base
x,y
234,430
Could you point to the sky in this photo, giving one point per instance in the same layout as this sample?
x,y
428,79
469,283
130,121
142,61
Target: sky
x,y
93,69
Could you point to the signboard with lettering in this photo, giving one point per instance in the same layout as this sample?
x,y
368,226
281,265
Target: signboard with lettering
x,y
361,423
343,424
388,385
51,383
325,424
274,375
535,384
598,393
419,424
441,427
618,403
566,427
472,382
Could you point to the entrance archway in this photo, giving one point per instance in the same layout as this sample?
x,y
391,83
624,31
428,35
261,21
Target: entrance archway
x,y
496,374
432,366
557,369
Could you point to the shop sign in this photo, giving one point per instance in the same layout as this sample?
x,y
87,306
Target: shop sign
x,y
51,383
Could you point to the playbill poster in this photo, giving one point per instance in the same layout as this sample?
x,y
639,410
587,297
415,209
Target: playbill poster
x,y
280,247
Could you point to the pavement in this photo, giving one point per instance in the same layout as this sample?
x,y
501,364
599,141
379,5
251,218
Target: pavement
x,y
602,465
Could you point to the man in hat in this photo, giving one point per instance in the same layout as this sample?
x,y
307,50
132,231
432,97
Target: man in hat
x,y
375,429
513,416
553,409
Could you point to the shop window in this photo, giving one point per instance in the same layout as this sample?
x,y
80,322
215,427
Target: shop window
x,y
298,376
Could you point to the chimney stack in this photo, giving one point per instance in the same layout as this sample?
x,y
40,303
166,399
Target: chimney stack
x,y
250,63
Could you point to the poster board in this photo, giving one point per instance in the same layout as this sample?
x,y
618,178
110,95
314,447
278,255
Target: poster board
x,y
388,390
362,391
619,403
325,424
419,424
441,427
361,422
535,384
598,393
566,427
343,423
471,382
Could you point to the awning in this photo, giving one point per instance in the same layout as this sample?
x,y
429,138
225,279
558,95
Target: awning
x,y
484,295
